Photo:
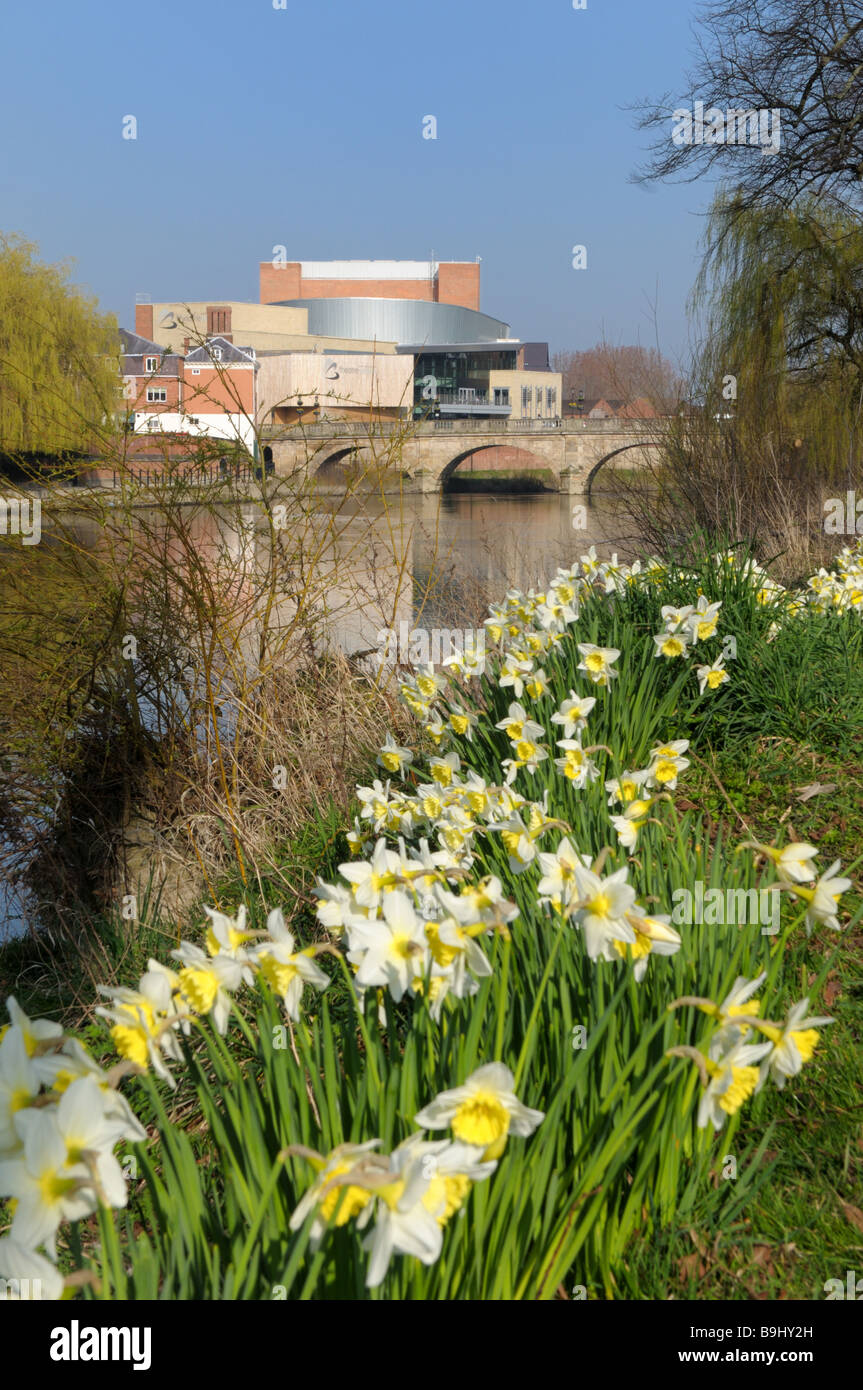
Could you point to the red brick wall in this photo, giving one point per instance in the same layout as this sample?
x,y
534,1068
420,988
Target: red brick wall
x,y
458,283
366,289
142,383
501,456
279,282
144,321
215,393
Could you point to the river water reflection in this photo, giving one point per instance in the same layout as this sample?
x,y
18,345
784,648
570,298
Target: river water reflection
x,y
463,551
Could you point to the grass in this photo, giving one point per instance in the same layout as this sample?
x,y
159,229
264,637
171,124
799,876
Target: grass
x,y
805,1225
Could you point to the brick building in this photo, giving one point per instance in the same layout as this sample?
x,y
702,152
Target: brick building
x,y
210,391
434,282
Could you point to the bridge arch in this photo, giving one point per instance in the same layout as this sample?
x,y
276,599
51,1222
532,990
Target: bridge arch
x,y
334,464
500,458
605,459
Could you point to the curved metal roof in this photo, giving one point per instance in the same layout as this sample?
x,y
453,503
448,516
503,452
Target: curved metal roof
x,y
399,321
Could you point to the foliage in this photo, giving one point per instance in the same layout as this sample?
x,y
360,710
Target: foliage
x,y
58,357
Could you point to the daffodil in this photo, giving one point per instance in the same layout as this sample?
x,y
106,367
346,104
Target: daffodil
x,y
598,662
513,672
27,1274
483,1111
373,879
739,1002
444,769
793,1043
517,726
676,618
793,861
711,677
536,684
144,1019
732,1078
19,1085
653,936
625,788
575,765
600,909
823,898
285,969
47,1188
390,950
375,801
702,621
558,884
331,1196
72,1062
207,982
393,758
671,644
34,1031
228,936
528,755
573,713
428,683
429,1180
628,825
668,762
462,721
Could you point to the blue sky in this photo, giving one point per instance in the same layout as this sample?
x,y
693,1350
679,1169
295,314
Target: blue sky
x,y
303,127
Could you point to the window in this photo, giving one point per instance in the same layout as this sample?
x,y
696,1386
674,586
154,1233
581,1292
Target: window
x,y
157,394
151,364
196,371
551,400
216,354
525,400
501,395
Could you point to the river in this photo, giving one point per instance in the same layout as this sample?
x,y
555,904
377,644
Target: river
x,y
424,562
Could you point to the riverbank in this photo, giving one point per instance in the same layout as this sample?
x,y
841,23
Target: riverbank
x,y
772,755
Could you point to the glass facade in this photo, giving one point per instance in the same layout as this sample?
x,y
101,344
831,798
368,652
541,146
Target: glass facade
x,y
444,375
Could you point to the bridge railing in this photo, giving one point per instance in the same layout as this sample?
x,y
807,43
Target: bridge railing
x,y
351,429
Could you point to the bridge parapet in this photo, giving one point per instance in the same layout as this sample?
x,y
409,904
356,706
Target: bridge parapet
x,y
339,429
426,453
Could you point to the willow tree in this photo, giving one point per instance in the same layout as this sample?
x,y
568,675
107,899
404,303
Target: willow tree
x,y
780,296
58,357
774,425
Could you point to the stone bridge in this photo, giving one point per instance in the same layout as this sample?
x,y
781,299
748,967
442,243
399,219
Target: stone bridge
x,y
422,456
